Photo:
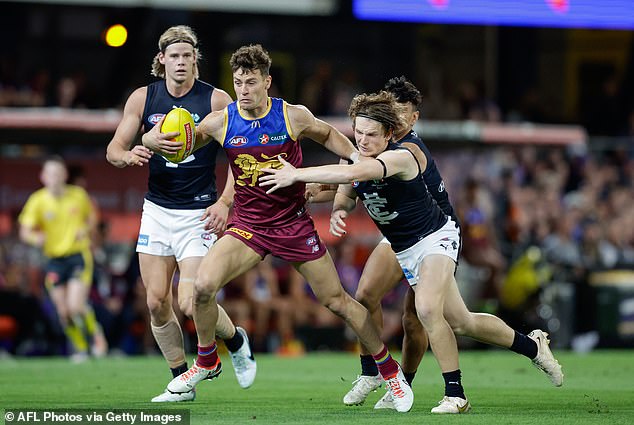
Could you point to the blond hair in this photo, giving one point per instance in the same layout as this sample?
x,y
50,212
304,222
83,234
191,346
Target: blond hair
x,y
176,34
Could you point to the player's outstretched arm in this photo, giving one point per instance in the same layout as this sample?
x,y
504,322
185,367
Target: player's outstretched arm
x,y
120,151
366,169
304,125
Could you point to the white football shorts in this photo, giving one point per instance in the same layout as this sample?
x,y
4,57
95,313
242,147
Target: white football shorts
x,y
168,232
444,241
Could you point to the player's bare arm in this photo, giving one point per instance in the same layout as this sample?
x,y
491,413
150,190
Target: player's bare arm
x,y
419,154
220,99
216,215
304,125
32,236
345,201
212,127
120,151
399,163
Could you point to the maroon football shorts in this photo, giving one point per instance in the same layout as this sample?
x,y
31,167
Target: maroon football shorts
x,y
294,242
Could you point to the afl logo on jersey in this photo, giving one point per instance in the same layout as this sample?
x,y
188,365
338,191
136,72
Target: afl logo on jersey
x,y
264,139
155,118
238,141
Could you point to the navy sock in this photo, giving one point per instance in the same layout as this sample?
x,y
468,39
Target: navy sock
x,y
368,366
524,345
235,342
179,369
409,377
453,384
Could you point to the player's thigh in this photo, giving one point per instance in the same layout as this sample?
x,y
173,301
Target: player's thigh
x,y
456,312
322,277
226,260
157,273
381,272
77,296
58,296
435,277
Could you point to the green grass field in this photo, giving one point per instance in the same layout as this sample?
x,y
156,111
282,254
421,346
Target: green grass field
x,y
504,388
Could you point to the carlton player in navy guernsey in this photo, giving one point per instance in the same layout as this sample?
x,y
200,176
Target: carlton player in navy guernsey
x,y
172,233
257,132
388,180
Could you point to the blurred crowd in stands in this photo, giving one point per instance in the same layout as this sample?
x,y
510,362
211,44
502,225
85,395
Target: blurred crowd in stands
x,y
530,216
327,91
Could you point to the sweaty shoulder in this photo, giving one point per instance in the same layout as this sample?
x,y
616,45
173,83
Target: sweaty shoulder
x,y
220,99
212,126
136,100
299,119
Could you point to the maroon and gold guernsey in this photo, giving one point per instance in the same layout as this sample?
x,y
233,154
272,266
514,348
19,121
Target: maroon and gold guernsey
x,y
252,144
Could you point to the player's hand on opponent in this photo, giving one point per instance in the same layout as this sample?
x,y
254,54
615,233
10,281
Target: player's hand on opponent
x,y
161,142
337,223
278,177
138,155
216,217
312,190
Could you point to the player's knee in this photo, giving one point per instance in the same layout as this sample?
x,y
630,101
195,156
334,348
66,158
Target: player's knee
x,y
462,326
186,306
336,304
411,323
205,290
428,313
159,308
75,310
367,298
63,315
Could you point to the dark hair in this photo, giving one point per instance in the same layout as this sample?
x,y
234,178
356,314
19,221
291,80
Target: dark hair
x,y
250,58
404,91
380,107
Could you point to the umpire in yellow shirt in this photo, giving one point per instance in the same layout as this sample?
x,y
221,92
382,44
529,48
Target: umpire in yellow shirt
x,y
60,218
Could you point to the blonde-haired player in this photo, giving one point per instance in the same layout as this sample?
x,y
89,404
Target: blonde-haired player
x,y
172,233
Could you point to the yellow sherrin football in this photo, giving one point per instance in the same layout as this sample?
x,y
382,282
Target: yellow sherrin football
x,y
179,119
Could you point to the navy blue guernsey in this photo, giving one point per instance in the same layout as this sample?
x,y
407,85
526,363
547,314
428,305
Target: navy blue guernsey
x,y
432,177
190,184
403,210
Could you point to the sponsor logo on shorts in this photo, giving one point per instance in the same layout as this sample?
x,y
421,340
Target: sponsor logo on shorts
x,y
207,239
311,241
238,141
315,248
155,118
240,232
448,243
355,184
144,240
408,274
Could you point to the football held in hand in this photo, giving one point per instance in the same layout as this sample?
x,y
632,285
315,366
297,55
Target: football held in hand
x,y
179,119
